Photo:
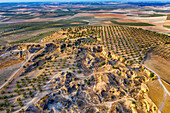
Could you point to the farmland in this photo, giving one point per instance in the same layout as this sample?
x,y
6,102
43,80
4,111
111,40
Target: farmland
x,y
127,42
35,17
84,57
120,48
132,24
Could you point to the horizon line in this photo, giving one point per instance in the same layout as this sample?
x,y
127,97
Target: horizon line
x,y
86,1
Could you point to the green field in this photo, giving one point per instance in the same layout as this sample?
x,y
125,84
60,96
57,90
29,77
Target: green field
x,y
13,29
36,38
132,24
153,15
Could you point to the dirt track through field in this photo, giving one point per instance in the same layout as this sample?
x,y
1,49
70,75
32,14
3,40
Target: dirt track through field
x,y
166,92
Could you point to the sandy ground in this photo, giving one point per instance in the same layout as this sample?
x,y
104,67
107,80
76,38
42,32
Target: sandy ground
x,y
157,21
154,20
167,23
159,65
159,29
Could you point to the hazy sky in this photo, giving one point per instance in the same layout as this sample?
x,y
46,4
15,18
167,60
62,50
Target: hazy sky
x,y
75,0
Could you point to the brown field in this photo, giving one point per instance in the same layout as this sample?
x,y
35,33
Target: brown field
x,y
159,29
109,11
76,23
167,23
128,20
167,102
108,22
5,64
153,20
159,65
100,15
157,21
156,92
109,15
166,105
166,85
4,74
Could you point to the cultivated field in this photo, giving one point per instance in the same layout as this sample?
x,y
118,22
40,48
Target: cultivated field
x,y
159,65
103,60
84,57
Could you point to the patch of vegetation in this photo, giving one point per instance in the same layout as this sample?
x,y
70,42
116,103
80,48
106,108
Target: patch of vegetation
x,y
115,67
14,29
151,74
132,24
39,67
103,63
167,27
35,38
153,15
168,17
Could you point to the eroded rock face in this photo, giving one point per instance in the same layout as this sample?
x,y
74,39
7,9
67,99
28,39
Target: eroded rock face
x,y
100,88
67,78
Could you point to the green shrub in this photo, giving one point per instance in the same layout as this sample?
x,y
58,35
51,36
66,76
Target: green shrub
x,y
79,71
133,102
110,56
2,92
21,104
11,95
88,83
103,63
7,110
115,67
19,99
39,67
151,74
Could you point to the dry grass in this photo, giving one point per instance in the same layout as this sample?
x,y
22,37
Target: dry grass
x,y
166,85
6,63
166,105
159,65
4,74
167,102
156,92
